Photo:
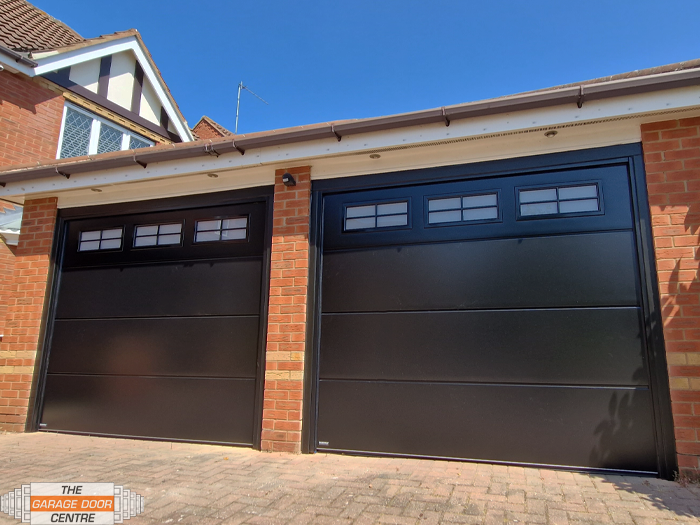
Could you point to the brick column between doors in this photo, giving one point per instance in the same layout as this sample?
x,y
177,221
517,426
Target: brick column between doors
x,y
24,311
672,164
286,328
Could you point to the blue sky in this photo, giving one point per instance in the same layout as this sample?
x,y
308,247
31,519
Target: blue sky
x,y
321,60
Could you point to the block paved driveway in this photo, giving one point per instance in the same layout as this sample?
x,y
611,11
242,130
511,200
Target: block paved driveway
x,y
184,483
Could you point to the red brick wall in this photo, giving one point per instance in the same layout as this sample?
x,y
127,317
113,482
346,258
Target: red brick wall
x,y
204,131
672,160
7,267
24,312
286,331
30,120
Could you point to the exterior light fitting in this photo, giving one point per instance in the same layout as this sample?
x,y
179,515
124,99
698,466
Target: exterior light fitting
x,y
288,180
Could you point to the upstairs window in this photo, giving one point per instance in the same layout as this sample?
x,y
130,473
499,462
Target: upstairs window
x,y
84,133
77,128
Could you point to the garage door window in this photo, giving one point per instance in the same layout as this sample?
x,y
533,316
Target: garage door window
x,y
230,229
101,240
158,235
464,208
369,216
560,200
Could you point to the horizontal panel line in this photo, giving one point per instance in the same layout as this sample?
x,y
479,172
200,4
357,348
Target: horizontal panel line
x,y
159,317
468,310
432,228
145,438
487,383
79,374
158,262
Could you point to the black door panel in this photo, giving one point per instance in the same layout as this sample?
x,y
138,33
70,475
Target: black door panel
x,y
615,200
545,272
174,346
217,287
192,409
587,427
573,346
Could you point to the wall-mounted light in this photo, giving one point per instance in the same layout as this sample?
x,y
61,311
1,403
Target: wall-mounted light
x,y
212,175
551,133
288,180
375,156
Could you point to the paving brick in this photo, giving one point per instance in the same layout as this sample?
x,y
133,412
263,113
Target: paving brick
x,y
205,484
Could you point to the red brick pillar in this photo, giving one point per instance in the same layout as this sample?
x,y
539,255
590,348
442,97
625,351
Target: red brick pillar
x,y
24,312
672,162
7,269
286,328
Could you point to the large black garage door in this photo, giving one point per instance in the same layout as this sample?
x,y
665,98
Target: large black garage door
x,y
157,327
492,319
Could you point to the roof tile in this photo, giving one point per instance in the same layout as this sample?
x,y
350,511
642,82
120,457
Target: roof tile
x,y
24,27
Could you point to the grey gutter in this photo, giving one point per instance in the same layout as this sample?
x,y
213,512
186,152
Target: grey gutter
x,y
20,59
534,100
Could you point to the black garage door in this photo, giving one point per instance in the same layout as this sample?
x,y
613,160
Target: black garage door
x,y
492,319
157,325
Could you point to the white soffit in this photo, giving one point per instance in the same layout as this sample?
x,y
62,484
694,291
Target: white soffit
x,y
599,123
96,51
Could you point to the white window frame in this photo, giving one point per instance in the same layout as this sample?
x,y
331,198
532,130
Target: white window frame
x,y
97,122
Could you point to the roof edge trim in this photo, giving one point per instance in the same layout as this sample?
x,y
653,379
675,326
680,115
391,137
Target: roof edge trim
x,y
542,99
20,59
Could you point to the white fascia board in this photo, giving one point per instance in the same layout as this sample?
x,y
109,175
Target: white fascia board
x,y
455,153
628,111
83,54
96,51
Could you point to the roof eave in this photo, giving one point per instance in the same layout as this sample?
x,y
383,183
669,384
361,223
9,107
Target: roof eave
x,y
534,100
17,57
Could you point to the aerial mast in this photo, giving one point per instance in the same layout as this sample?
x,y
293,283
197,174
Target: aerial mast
x,y
241,87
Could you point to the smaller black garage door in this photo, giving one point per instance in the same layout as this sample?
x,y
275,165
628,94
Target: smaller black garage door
x,y
157,329
492,319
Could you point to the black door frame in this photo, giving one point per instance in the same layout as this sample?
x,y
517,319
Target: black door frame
x,y
259,194
629,155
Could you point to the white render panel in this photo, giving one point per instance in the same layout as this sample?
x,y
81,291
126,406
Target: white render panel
x,y
150,103
55,61
121,79
86,74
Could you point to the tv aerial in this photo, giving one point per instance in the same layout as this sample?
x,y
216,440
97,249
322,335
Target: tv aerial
x,y
241,87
